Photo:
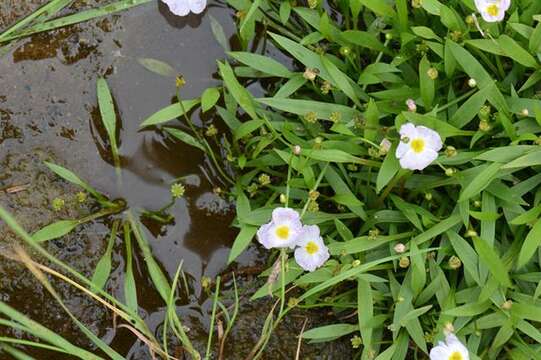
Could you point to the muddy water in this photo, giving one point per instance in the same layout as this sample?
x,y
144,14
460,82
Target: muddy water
x,y
48,111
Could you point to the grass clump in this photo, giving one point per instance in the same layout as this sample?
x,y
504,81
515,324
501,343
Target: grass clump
x,y
408,133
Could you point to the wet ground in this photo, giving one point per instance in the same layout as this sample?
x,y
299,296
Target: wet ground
x,y
48,111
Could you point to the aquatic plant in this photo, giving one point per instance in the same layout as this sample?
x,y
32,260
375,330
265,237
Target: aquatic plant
x,y
448,240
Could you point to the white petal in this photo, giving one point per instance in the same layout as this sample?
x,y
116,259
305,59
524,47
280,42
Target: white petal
x,y
198,6
309,233
263,236
440,352
504,5
480,4
432,138
418,161
402,149
178,7
280,215
453,344
304,259
408,130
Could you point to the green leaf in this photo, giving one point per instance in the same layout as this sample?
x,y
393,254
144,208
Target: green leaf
x,y
531,159
108,115
388,169
219,33
340,80
157,66
379,7
241,242
209,98
492,261
74,179
103,268
302,107
480,182
185,137
426,84
363,39
516,52
170,112
240,94
330,332
55,230
530,245
261,63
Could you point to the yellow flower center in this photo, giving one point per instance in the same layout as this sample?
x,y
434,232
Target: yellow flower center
x,y
282,232
312,248
456,356
493,10
418,145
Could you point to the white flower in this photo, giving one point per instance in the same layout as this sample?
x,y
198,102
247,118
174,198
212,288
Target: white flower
x,y
452,349
311,252
492,10
418,146
183,7
283,230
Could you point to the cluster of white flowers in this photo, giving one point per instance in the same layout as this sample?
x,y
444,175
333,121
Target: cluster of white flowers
x,y
285,230
492,10
418,146
184,7
451,349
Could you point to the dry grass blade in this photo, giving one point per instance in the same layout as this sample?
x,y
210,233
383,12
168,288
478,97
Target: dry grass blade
x,y
299,343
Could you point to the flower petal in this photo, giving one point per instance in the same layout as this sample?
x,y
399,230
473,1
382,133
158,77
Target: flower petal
x,y
432,138
408,130
440,352
178,7
280,215
402,149
197,6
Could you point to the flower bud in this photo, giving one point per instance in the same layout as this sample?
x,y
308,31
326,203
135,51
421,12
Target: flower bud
x,y
484,126
477,204
335,116
313,194
326,87
507,305
345,51
356,342
428,196
310,117
484,112
472,83
310,74
432,73
356,263
448,328
211,131
454,262
525,112
450,171
180,81
412,106
416,3
388,36
297,149
283,198
292,302
400,248
470,20
312,4
450,151
470,233
384,146
404,262
264,179
58,204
